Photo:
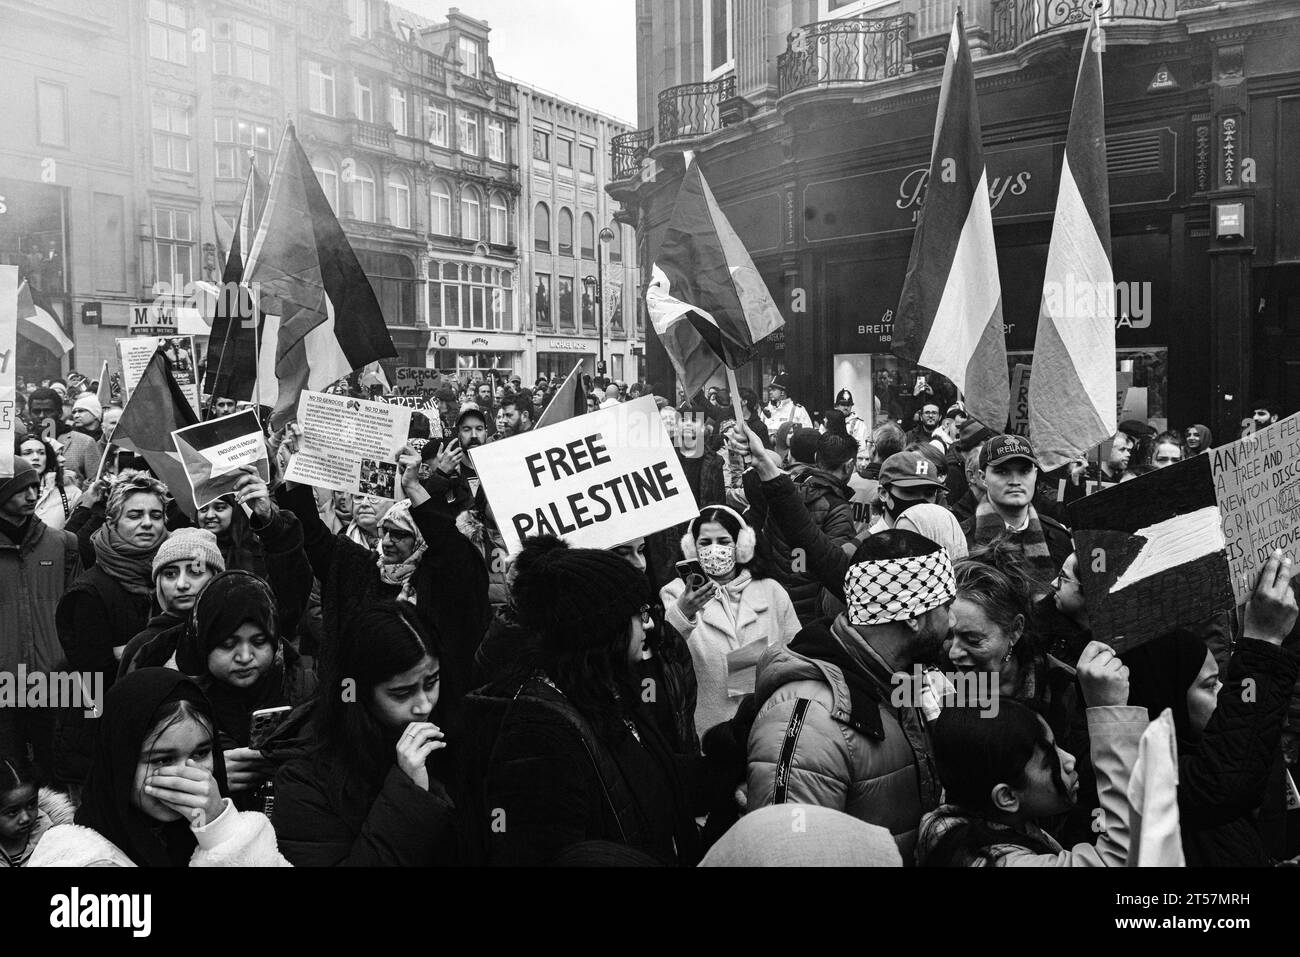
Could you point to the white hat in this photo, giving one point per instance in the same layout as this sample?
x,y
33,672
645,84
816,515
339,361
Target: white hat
x,y
89,403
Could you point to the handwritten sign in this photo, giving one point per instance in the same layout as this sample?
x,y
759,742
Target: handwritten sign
x,y
596,480
1018,424
1257,484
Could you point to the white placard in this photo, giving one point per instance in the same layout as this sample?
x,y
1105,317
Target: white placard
x,y
350,445
136,352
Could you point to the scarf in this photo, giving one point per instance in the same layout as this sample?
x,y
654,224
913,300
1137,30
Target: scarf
x,y
400,574
355,534
1031,542
128,565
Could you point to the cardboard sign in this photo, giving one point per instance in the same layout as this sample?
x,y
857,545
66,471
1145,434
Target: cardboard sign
x,y
349,445
1257,484
1152,554
8,367
413,380
215,452
136,352
596,480
1018,421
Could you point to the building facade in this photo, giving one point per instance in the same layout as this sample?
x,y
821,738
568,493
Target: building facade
x,y
582,280
813,120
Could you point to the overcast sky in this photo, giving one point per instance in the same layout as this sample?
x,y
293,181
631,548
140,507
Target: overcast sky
x,y
581,50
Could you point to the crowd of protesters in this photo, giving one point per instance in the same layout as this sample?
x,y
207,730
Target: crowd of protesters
x,y
294,676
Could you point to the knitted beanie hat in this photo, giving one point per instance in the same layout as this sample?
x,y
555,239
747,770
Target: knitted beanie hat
x,y
23,478
575,598
189,545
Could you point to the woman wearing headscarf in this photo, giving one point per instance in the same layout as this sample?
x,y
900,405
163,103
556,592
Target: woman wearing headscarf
x,y
1198,439
155,793
937,524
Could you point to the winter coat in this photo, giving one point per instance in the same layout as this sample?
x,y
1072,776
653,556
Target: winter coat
x,y
82,454
1060,543
827,560
322,822
1113,733
774,416
34,576
232,839
745,617
52,809
818,741
95,616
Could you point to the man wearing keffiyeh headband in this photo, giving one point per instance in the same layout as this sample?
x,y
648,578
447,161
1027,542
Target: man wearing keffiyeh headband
x,y
828,730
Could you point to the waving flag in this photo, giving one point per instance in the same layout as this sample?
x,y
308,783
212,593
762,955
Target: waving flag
x,y
568,402
706,300
36,322
1072,390
950,312
8,367
156,409
323,320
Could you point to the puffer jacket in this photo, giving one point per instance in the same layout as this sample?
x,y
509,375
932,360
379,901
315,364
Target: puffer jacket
x,y
816,741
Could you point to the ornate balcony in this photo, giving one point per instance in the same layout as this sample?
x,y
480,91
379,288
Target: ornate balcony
x,y
692,108
1016,21
628,150
372,135
852,50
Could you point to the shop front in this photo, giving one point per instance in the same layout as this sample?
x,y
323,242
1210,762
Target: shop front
x,y
557,356
459,353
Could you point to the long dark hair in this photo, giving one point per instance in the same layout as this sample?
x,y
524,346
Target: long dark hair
x,y
974,752
757,566
385,639
51,457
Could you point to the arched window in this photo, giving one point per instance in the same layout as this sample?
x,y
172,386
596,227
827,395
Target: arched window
x,y
470,206
588,236
440,207
566,232
397,196
363,193
499,221
542,228
328,177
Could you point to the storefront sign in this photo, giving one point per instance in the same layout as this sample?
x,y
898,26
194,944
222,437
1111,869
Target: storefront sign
x,y
568,345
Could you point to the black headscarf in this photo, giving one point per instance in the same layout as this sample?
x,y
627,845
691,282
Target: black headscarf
x,y
133,707
1160,674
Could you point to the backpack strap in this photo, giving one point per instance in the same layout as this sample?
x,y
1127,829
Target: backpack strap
x,y
781,782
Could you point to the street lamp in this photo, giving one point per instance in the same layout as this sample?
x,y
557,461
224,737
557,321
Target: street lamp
x,y
606,237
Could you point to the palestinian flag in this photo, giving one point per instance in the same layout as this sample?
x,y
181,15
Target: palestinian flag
x,y
708,304
37,323
1072,389
156,409
950,313
321,318
214,453
568,402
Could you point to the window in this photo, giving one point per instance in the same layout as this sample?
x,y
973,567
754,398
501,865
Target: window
x,y
718,57
588,236
616,244
171,137
496,140
438,124
173,243
541,146
320,88
499,221
363,194
329,181
564,290
363,100
564,152
397,109
168,33
397,196
586,158
359,15
469,213
542,301
241,49
467,132
566,232
440,208
234,138
542,228
392,277
468,50
476,297
51,113
588,310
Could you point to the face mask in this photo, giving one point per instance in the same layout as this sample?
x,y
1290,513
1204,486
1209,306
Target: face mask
x,y
895,507
718,560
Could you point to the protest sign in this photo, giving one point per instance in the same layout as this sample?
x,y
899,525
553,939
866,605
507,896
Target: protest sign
x,y
413,380
596,480
349,445
8,367
1257,485
1018,423
1152,554
214,453
136,352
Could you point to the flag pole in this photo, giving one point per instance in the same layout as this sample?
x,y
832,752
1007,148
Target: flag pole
x,y
252,296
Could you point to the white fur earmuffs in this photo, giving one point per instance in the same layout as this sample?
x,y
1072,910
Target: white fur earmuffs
x,y
746,541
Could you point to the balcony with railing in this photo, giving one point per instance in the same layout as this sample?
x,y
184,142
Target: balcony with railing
x,y
1017,21
692,109
372,135
851,50
628,151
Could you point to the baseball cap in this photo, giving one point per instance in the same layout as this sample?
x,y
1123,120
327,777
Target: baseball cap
x,y
1003,448
844,397
909,469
